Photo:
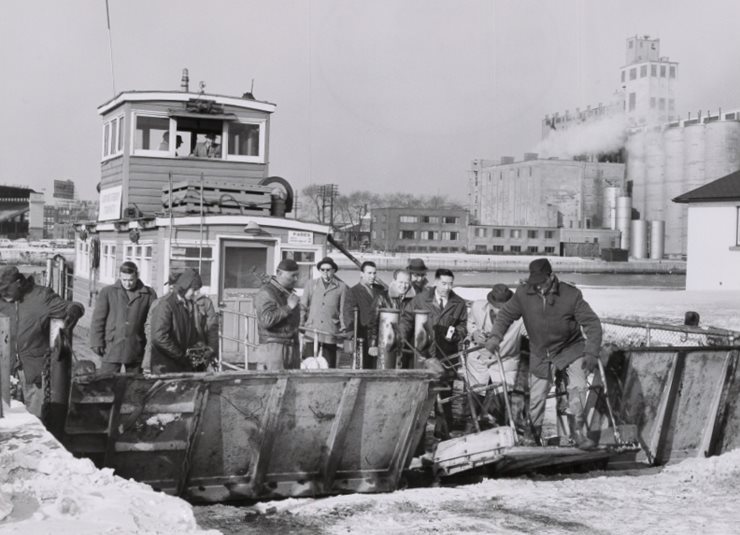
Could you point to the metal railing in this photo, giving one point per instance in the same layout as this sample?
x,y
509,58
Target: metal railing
x,y
247,343
630,333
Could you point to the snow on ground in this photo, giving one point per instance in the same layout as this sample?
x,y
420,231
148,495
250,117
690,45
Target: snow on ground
x,y
44,489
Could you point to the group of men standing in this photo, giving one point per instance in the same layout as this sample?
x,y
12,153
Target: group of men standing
x,y
563,332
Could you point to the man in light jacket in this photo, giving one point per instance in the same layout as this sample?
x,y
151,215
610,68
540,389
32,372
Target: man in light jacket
x,y
117,326
322,309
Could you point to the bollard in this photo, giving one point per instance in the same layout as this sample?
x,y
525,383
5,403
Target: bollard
x,y
388,349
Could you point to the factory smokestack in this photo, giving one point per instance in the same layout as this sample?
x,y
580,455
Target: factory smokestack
x,y
185,81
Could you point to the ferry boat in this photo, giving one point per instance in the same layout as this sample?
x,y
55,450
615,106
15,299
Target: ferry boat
x,y
185,182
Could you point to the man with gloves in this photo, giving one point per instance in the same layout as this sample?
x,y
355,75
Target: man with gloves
x,y
565,339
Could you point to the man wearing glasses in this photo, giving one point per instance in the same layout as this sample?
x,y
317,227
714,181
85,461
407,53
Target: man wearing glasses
x,y
322,307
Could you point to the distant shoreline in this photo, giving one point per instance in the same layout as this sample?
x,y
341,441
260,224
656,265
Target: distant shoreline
x,y
515,264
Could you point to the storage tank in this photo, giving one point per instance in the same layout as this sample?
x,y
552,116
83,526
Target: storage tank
x,y
636,168
638,238
675,213
721,149
657,243
693,156
654,175
609,212
624,215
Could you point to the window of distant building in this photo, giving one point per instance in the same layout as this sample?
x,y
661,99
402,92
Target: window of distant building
x,y
531,234
480,248
633,101
498,248
661,104
662,71
451,236
623,76
113,137
516,249
652,102
497,233
654,70
672,71
408,219
588,223
549,234
633,73
549,250
532,249
671,104
406,235
480,232
451,220
643,71
515,233
428,235
431,218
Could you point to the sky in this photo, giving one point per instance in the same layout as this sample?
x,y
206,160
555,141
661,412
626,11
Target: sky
x,y
388,95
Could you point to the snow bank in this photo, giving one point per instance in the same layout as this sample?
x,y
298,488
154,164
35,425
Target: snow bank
x,y
44,489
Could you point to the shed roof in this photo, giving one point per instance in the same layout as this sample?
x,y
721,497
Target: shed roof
x,y
726,188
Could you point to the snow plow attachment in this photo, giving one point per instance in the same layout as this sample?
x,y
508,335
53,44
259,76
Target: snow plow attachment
x,y
236,436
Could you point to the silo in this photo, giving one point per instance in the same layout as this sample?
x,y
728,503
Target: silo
x,y
636,169
609,215
624,215
693,170
654,175
721,149
657,243
638,243
674,213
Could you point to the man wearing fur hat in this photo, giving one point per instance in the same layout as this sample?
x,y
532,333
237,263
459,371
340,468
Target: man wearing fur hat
x,y
322,308
565,338
278,316
173,329
30,308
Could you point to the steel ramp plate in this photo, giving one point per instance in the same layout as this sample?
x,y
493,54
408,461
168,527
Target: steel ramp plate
x,y
474,450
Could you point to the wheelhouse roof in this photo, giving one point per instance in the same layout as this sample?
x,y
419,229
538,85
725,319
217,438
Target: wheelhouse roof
x,y
182,96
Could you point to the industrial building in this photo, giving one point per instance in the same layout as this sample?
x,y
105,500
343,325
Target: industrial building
x,y
21,213
419,230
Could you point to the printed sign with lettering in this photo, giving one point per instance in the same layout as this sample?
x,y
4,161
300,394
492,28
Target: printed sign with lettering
x,y
110,203
300,237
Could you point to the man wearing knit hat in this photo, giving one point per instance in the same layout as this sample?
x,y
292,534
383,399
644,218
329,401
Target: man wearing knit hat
x,y
173,329
565,338
278,317
30,308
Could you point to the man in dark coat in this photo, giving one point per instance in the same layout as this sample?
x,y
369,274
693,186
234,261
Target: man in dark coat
x,y
173,328
117,326
30,308
278,318
418,270
399,296
446,328
363,296
565,337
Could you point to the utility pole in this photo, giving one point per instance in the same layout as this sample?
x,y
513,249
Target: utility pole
x,y
328,193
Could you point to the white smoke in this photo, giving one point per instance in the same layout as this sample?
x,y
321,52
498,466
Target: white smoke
x,y
598,136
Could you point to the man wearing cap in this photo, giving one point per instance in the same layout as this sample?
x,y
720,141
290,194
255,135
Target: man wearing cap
x,y
565,337
322,311
117,325
278,317
482,367
418,271
30,308
363,296
173,329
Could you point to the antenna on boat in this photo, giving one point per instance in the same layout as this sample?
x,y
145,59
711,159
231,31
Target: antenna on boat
x,y
110,47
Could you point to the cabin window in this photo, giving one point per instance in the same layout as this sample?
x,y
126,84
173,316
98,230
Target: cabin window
x,y
192,256
82,261
108,271
141,255
246,141
112,137
305,261
151,136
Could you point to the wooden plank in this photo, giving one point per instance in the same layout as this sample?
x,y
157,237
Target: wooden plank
x,y
665,409
6,361
710,429
159,408
168,445
269,430
332,452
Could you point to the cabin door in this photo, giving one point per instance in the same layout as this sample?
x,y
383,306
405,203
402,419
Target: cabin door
x,y
244,265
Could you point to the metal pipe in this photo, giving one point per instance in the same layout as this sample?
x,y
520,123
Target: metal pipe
x,y
608,403
509,414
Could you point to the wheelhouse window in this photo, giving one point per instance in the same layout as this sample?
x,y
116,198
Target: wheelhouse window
x,y
113,137
141,255
305,261
107,262
192,256
245,141
151,136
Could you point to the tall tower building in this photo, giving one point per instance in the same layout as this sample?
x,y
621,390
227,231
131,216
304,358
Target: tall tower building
x,y
648,82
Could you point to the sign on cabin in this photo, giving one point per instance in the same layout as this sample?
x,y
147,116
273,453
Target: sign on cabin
x,y
110,203
300,237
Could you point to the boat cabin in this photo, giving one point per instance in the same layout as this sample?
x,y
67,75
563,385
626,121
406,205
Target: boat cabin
x,y
185,182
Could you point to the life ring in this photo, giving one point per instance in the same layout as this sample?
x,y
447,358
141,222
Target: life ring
x,y
284,184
